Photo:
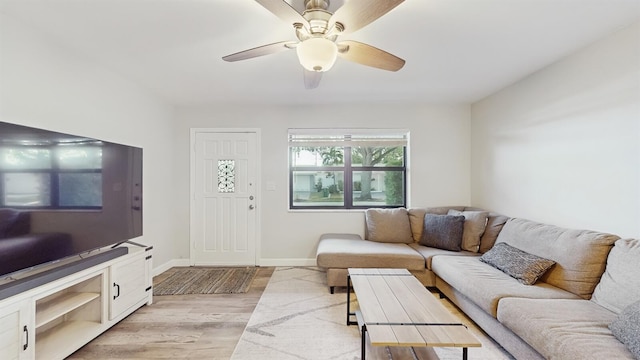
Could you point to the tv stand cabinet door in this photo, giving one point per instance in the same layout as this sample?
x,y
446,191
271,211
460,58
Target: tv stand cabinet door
x,y
128,284
17,331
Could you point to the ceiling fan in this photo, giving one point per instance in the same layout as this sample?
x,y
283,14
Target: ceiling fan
x,y
318,30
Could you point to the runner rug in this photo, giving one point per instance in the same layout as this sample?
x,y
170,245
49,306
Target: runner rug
x,y
297,318
206,280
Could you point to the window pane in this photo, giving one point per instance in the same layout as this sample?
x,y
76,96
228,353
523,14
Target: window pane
x,y
79,157
318,156
226,176
78,189
378,188
27,189
318,188
25,158
377,156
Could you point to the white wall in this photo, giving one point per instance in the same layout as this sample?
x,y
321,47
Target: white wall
x,y
44,85
439,166
563,145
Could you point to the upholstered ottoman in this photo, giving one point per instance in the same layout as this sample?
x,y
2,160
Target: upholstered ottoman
x,y
338,252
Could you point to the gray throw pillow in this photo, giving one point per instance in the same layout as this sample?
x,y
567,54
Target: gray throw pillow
x,y
521,265
443,231
626,328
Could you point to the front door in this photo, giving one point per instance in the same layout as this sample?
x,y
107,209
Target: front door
x,y
223,202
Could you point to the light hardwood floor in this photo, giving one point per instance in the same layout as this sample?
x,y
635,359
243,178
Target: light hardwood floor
x,y
180,327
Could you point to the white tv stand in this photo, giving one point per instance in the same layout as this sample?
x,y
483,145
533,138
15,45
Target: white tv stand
x,y
53,320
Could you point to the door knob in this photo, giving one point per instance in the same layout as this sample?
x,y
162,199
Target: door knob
x,y
251,207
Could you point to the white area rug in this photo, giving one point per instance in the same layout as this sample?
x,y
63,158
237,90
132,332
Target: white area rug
x,y
297,318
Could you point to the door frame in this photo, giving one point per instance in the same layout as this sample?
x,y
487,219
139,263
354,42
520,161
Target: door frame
x,y
192,194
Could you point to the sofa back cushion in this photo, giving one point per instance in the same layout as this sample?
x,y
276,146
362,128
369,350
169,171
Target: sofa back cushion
x,y
474,224
580,255
495,222
620,283
388,225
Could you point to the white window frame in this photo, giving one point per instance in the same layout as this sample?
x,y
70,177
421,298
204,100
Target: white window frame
x,y
347,138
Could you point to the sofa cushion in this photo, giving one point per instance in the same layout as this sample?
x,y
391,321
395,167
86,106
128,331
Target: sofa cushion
x,y
626,328
620,283
563,329
429,252
520,265
388,225
580,255
342,252
485,285
474,225
443,231
416,217
495,222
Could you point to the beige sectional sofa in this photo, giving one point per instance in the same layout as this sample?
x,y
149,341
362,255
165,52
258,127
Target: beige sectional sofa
x,y
565,314
338,252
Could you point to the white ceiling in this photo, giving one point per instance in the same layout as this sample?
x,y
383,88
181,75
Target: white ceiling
x,y
456,51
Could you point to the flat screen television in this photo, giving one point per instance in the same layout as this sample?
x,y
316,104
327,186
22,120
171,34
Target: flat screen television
x,y
64,195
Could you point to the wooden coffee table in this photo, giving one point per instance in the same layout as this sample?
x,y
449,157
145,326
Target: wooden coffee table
x,y
395,309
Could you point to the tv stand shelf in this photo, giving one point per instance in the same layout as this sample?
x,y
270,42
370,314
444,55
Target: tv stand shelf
x,y
56,342
62,305
54,320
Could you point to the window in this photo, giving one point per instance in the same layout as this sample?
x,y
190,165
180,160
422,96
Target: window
x,y
347,169
51,177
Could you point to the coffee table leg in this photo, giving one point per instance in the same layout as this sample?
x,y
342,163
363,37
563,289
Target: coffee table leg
x,y
348,299
363,341
464,353
349,313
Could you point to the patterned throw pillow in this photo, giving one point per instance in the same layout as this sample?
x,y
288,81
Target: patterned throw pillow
x,y
626,328
443,231
521,265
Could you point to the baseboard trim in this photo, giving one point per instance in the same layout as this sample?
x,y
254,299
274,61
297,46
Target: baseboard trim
x,y
169,264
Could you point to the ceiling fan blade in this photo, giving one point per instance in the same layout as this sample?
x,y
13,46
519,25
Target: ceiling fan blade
x,y
260,51
312,79
356,14
368,55
284,11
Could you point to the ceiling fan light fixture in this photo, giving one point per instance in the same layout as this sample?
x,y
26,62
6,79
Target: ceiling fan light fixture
x,y
317,54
